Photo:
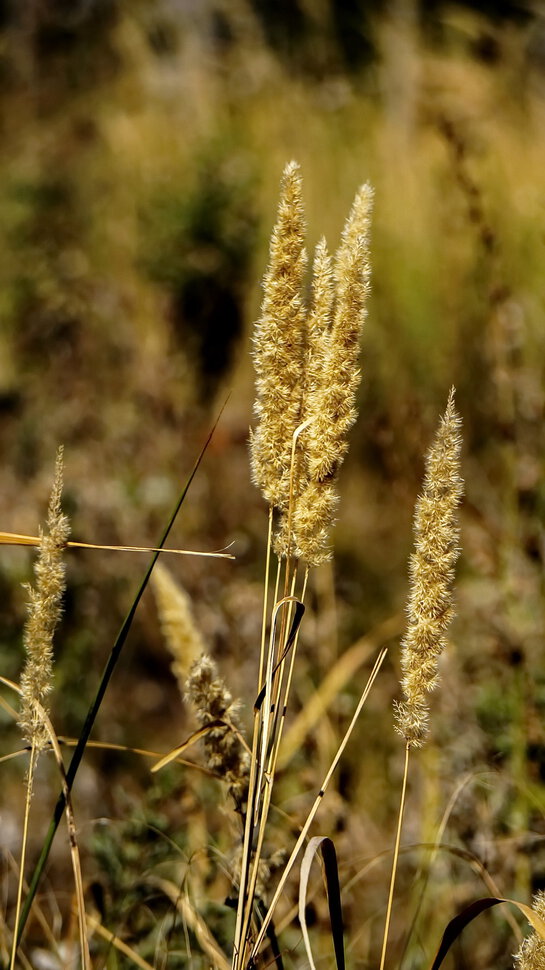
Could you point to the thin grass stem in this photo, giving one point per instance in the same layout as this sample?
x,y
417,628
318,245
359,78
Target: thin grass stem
x,y
265,598
15,539
74,851
395,857
28,800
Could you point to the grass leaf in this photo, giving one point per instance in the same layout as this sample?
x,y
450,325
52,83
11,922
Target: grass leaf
x,y
459,923
331,873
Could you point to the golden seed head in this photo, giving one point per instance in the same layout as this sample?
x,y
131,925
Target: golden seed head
x,y
177,624
279,346
44,613
319,320
330,403
212,701
334,405
198,680
531,955
307,371
431,570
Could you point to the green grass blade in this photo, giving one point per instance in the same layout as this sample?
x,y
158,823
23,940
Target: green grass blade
x,y
95,706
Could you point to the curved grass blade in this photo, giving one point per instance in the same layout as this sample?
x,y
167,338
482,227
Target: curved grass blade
x,y
331,872
95,705
459,922
299,613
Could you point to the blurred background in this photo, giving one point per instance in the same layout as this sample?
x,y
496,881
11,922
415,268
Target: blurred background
x,y
142,145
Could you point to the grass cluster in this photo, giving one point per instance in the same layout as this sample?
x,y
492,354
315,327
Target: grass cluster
x,y
135,225
307,373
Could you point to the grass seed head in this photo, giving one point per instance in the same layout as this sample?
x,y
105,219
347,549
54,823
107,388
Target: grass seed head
x,y
431,571
531,954
330,404
307,371
177,624
279,346
333,406
212,701
44,613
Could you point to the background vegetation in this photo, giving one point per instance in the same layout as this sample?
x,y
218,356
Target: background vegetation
x,y
142,146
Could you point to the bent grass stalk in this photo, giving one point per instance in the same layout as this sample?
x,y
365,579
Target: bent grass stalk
x,y
15,539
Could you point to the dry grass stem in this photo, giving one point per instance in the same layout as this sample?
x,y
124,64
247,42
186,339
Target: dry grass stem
x,y
430,608
16,539
312,814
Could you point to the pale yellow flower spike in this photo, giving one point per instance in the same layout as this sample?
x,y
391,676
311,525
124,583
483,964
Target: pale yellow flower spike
x,y
335,410
431,569
531,955
319,321
336,376
178,627
279,346
44,612
308,519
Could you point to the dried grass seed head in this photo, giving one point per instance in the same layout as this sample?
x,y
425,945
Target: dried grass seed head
x,y
317,330
330,404
212,701
279,346
308,373
334,406
179,629
44,613
531,954
430,608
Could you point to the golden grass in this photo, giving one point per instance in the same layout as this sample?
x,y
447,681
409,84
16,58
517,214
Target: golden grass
x,y
455,301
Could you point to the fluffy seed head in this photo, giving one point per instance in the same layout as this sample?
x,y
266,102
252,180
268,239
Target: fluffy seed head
x,y
212,701
279,346
334,377
531,955
44,612
431,571
177,624
333,406
307,371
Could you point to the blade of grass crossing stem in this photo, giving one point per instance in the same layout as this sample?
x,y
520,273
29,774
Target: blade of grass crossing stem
x,y
331,872
95,706
469,913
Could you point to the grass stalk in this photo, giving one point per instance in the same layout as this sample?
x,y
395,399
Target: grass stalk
x,y
24,842
395,857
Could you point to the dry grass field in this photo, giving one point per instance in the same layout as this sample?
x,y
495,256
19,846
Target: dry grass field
x,y
143,147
